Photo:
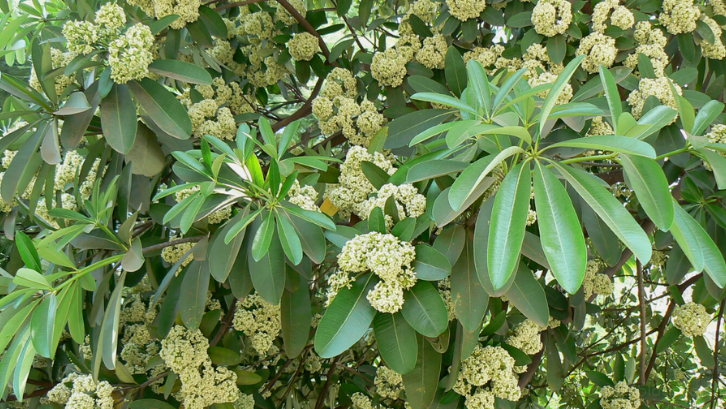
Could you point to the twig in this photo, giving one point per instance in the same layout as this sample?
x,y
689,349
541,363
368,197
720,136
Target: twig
x,y
306,24
643,338
715,354
226,322
526,377
661,331
304,110
39,392
329,376
160,246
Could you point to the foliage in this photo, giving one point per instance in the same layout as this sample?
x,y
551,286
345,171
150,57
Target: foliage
x,y
354,204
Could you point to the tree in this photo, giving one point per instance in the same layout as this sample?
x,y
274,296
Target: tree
x,y
353,204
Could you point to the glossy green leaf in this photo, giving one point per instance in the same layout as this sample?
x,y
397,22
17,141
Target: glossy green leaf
x,y
424,309
162,108
263,236
295,317
469,297
430,264
649,182
613,143
554,94
396,341
182,71
268,274
698,246
468,181
194,293
289,240
529,297
455,71
422,383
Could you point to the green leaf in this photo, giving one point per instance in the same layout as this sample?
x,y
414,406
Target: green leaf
x,y
289,240
599,378
403,130
162,23
194,293
621,144
422,383
610,210
668,339
432,169
396,342
149,404
75,104
317,218
706,116
509,218
557,48
295,317
429,133
27,251
347,318
182,71
527,294
444,100
424,309
430,264
698,246
221,255
223,356
162,108
263,237
268,274
560,233
479,84
469,298
109,328
377,176
468,181
312,238
455,71
26,277
13,325
118,118
134,258
647,179
553,95
612,96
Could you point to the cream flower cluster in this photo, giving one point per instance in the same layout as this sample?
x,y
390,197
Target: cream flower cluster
x,y
488,373
596,283
598,126
717,135
599,49
84,393
717,50
651,43
361,401
679,16
389,67
187,10
336,282
653,87
536,59
409,203
172,254
65,173
466,9
552,17
550,78
620,17
387,257
353,186
185,353
130,54
7,207
389,383
260,322
68,202
303,46
621,396
227,94
692,319
81,36
303,196
424,9
281,14
526,337
58,59
110,18
658,260
432,53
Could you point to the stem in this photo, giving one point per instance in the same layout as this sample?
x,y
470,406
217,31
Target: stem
x,y
715,354
675,152
643,338
589,158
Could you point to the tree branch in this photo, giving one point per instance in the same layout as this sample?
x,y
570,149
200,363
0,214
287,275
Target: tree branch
x,y
306,25
643,338
661,331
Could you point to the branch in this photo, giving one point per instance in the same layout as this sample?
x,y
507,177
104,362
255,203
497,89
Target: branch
x,y
304,110
661,331
226,322
306,24
533,366
643,338
715,354
328,380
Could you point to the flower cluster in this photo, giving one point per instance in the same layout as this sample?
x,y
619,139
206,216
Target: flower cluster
x,y
81,36
84,393
432,53
619,16
58,59
389,383
388,258
679,16
621,396
692,319
526,337
596,283
466,9
598,126
409,203
260,322
216,217
303,196
172,254
552,17
130,54
651,43
550,78
185,353
353,186
389,67
653,87
303,46
187,10
488,373
537,60
715,50
599,50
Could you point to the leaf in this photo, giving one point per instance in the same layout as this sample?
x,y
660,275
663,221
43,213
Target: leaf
x,y
554,93
149,404
599,378
182,71
509,218
706,116
422,383
649,182
268,274
557,48
194,293
42,325
27,251
529,297
377,176
295,317
479,84
223,356
444,100
455,71
347,319
75,104
312,238
403,130
430,264
118,118
263,237
317,218
146,156
162,108
613,143
468,181
668,339
610,210
560,233
469,298
451,242
612,96
109,328
396,342
424,309
289,240
698,246
32,279
431,132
